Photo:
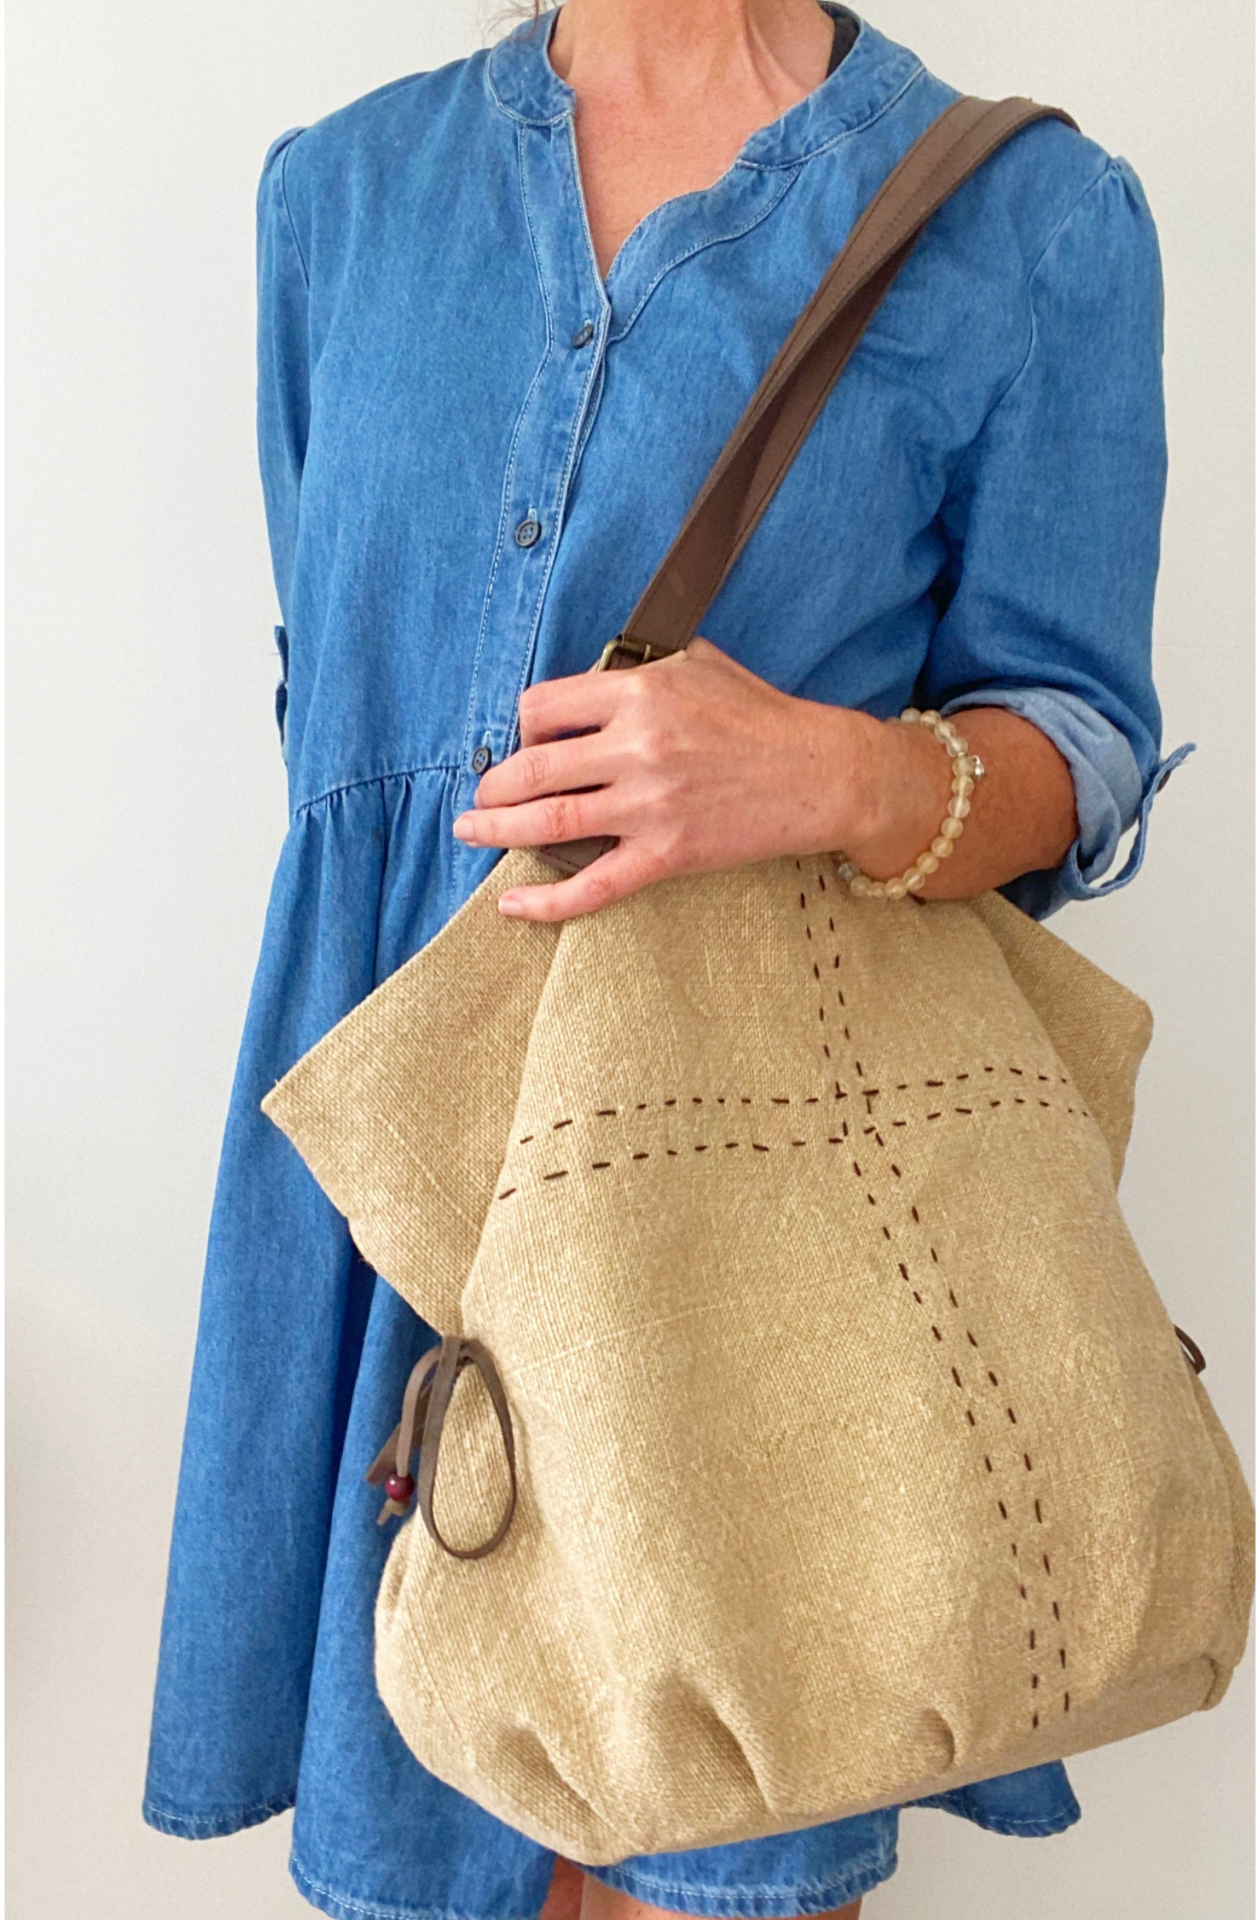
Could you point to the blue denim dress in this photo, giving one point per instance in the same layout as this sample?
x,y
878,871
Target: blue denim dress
x,y
474,452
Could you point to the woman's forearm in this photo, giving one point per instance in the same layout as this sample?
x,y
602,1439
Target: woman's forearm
x,y
1023,812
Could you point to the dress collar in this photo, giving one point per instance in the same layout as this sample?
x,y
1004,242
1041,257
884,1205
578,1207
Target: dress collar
x,y
525,85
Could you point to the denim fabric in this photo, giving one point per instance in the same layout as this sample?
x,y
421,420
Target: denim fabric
x,y
975,517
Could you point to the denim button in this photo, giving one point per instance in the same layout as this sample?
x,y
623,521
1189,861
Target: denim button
x,y
528,532
584,335
481,759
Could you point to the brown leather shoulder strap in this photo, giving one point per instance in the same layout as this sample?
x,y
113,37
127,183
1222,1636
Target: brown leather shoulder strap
x,y
773,426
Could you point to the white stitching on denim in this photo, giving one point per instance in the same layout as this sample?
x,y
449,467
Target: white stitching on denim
x,y
374,1912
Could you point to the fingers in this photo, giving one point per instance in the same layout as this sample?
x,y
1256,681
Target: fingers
x,y
558,766
535,823
612,877
579,700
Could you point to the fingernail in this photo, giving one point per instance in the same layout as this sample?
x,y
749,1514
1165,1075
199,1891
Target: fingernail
x,y
463,827
511,903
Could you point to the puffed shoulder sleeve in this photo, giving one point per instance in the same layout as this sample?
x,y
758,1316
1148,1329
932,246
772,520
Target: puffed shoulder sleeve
x,y
1052,521
283,362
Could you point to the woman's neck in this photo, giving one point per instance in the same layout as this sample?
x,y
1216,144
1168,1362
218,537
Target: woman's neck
x,y
651,51
668,91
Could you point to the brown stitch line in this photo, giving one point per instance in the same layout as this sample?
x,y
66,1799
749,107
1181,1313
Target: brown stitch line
x,y
899,1123
526,1138
1045,1561
562,1174
934,1083
1066,1700
507,1193
962,1111
797,1143
937,1334
598,1165
1028,1463
732,1143
672,1152
670,1103
953,1298
933,1116
1037,1510
1002,1509
988,1464
894,1170
758,1148
1032,1639
697,1099
1036,1679
780,1100
811,1099
557,1124
700,1147
602,1113
834,1140
1063,1656
918,1296
638,1156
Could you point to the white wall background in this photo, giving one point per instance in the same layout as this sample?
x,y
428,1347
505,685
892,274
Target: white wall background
x,y
147,808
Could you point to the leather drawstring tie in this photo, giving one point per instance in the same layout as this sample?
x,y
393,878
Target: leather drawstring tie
x,y
425,1402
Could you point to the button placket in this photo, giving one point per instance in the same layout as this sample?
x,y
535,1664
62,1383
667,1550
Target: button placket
x,y
550,432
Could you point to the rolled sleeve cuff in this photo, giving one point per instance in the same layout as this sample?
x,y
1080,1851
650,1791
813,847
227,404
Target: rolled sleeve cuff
x,y
1110,794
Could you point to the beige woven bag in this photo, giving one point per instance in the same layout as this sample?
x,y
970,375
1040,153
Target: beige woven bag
x,y
812,1436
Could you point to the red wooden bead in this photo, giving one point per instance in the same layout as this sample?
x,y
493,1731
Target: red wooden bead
x,y
400,1487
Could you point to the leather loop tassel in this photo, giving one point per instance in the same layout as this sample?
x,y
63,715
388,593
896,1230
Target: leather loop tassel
x,y
426,1400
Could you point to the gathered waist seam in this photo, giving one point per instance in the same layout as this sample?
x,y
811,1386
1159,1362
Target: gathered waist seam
x,y
370,780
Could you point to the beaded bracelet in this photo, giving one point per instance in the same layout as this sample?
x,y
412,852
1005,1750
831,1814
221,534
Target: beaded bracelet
x,y
967,769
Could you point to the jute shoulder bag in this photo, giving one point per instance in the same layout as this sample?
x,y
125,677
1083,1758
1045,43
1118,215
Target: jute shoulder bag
x,y
812,1436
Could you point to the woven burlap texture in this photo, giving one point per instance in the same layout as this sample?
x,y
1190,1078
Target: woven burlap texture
x,y
859,1457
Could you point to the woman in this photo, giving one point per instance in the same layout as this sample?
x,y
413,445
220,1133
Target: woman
x,y
508,313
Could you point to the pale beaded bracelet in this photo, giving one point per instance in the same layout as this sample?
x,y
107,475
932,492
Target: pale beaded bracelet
x,y
967,769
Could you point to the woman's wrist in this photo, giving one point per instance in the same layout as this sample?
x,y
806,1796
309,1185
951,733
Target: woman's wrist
x,y
897,788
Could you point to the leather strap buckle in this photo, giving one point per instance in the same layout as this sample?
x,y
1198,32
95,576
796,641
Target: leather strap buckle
x,y
623,650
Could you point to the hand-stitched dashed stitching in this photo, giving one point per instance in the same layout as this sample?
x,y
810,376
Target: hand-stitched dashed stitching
x,y
972,1341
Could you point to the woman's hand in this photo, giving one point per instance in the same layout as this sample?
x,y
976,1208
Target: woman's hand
x,y
696,764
